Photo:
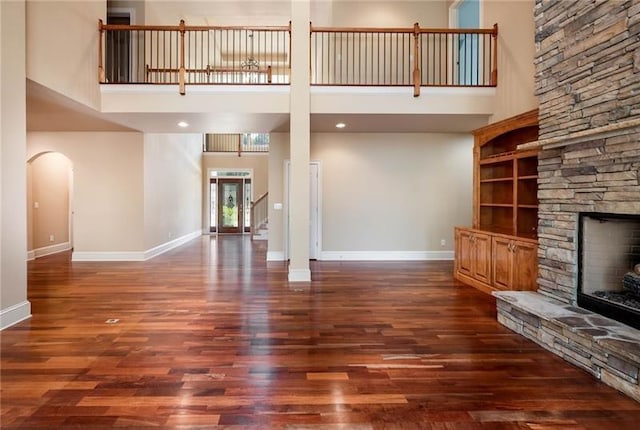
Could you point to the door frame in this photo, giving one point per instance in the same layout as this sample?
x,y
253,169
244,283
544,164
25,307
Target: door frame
x,y
133,44
239,205
454,15
207,210
317,251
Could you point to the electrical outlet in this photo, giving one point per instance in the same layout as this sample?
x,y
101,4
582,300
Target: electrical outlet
x,y
51,238
443,242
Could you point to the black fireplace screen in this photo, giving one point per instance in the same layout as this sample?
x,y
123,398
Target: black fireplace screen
x,y
609,266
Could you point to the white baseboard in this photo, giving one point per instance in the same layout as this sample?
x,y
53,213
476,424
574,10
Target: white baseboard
x,y
299,275
275,256
160,249
48,250
135,255
14,314
385,255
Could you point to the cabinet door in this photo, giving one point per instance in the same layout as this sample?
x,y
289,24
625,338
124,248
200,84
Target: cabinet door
x,y
482,269
464,252
525,258
502,263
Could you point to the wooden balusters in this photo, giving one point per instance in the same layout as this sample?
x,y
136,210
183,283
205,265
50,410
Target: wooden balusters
x,y
182,73
101,78
416,59
494,69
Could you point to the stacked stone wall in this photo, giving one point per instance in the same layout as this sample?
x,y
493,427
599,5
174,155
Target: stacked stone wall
x,y
587,63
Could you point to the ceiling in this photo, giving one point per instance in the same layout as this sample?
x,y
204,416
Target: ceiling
x,y
51,111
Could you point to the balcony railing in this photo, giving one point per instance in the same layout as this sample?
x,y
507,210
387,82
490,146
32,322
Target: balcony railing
x,y
189,55
404,57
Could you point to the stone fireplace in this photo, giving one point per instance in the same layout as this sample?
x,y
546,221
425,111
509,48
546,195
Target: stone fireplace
x,y
588,86
609,265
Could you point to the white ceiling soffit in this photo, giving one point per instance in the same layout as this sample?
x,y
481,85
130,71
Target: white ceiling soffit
x,y
48,110
51,111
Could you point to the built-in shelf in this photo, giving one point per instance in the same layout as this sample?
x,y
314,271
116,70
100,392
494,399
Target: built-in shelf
x,y
509,179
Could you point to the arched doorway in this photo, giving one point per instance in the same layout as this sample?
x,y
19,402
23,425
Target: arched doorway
x,y
49,204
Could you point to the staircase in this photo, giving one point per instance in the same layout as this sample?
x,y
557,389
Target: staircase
x,y
261,232
260,218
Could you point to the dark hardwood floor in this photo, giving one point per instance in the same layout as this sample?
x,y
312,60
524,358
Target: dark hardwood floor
x,y
209,335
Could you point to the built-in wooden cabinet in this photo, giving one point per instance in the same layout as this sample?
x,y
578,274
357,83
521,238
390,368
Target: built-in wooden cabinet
x,y
514,264
493,261
505,206
474,250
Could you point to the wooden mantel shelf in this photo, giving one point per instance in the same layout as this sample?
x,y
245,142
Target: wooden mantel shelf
x,y
605,131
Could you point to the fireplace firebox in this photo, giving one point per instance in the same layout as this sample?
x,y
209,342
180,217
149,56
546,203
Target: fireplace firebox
x,y
609,265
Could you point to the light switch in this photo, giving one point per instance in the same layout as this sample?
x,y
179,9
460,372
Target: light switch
x,y
36,205
277,206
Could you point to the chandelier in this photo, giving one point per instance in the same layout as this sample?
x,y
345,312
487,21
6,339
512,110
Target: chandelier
x,y
250,63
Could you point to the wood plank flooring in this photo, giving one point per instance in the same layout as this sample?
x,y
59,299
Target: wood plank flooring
x,y
211,336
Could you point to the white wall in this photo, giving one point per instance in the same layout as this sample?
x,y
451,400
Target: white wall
x,y
13,183
278,153
62,47
108,187
382,194
250,13
393,192
172,187
390,13
516,51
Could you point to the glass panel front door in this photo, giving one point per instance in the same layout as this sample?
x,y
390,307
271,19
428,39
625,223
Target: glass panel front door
x,y
230,206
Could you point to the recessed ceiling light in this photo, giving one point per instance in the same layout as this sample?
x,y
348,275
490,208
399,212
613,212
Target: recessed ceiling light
x,y
183,124
341,125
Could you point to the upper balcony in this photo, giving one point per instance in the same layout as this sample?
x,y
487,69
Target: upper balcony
x,y
247,70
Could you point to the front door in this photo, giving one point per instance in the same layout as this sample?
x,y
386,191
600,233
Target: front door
x,y
230,206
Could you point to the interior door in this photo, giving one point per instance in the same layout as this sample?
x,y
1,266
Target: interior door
x,y
314,212
118,46
468,17
230,206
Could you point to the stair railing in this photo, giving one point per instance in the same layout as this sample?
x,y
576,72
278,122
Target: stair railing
x,y
259,213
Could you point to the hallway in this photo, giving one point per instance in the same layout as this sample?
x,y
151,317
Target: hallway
x,y
209,335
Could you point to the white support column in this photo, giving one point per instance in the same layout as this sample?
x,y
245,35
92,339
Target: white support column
x,y
13,165
300,142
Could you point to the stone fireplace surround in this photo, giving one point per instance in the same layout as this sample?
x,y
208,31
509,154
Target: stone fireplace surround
x,y
595,170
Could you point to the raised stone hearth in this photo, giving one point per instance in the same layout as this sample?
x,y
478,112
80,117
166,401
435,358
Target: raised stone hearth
x,y
607,349
588,85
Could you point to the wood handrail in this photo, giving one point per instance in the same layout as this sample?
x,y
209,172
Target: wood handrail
x,y
253,218
408,30
259,199
122,27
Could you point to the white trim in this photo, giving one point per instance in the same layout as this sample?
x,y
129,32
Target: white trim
x,y
167,246
385,255
275,256
136,255
15,314
193,89
48,250
299,275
